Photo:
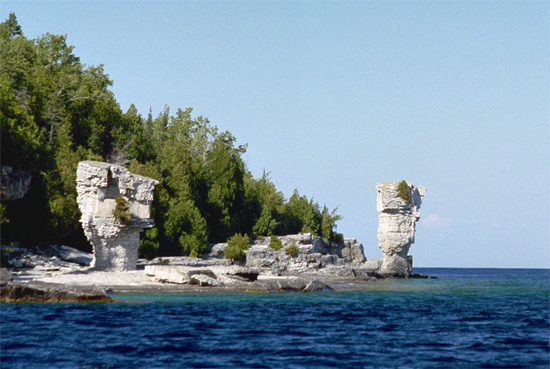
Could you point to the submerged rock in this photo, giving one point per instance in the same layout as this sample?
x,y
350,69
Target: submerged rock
x,y
317,286
115,240
397,214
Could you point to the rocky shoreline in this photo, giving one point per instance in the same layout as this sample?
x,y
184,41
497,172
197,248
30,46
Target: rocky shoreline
x,y
63,274
115,207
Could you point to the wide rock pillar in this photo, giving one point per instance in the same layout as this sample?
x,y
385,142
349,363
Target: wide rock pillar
x,y
105,192
397,216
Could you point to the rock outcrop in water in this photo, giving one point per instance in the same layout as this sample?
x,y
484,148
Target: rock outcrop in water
x,y
397,214
36,291
115,239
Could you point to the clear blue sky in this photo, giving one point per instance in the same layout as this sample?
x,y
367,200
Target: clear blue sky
x,y
332,97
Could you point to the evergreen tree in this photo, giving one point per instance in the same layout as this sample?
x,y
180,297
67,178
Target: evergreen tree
x,y
56,112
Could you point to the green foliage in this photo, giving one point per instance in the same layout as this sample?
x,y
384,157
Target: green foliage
x,y
164,261
148,249
3,212
292,250
55,112
328,225
275,243
121,212
236,246
403,191
265,225
186,228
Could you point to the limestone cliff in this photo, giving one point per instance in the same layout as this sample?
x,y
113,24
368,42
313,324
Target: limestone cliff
x,y
99,185
397,215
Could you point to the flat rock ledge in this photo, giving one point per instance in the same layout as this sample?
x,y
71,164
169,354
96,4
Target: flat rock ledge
x,y
37,291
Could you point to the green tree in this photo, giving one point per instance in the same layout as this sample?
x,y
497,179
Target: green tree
x,y
186,227
328,225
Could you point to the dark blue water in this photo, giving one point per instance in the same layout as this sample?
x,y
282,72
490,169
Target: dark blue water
x,y
468,318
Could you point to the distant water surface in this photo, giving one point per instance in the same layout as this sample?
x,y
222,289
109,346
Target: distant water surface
x,y
467,318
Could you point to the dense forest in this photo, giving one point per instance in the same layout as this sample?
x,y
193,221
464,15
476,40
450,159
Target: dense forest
x,y
55,111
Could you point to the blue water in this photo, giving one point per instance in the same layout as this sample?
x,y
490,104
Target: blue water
x,y
468,318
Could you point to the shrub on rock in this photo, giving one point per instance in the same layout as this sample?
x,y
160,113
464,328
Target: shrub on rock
x,y
275,243
121,212
236,247
403,191
292,250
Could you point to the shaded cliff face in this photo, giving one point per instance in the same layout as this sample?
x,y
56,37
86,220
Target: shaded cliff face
x,y
13,185
397,217
115,242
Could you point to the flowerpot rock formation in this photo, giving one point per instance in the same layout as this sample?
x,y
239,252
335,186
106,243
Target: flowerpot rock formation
x,y
397,217
115,240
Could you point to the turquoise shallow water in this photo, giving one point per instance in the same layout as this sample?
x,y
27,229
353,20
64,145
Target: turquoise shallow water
x,y
467,318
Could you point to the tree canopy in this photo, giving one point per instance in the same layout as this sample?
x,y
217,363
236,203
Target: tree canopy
x,y
56,111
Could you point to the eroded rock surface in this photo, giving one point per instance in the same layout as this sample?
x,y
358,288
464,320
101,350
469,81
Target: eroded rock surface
x,y
99,185
14,185
397,219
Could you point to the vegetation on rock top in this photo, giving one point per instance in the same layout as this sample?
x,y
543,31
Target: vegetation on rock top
x,y
403,191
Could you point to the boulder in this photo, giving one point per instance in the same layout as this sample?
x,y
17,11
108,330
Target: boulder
x,y
5,276
181,274
317,286
353,251
284,284
72,255
204,280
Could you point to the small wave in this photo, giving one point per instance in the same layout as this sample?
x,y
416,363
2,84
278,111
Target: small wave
x,y
523,342
538,323
389,327
18,346
119,349
163,349
472,319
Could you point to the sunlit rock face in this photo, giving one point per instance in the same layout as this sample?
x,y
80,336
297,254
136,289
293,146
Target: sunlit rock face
x,y
397,218
98,186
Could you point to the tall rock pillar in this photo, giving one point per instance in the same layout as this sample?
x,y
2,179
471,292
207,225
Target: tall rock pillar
x,y
115,206
397,205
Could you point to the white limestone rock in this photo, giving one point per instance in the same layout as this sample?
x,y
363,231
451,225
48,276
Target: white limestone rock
x,y
353,251
180,274
98,185
396,227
